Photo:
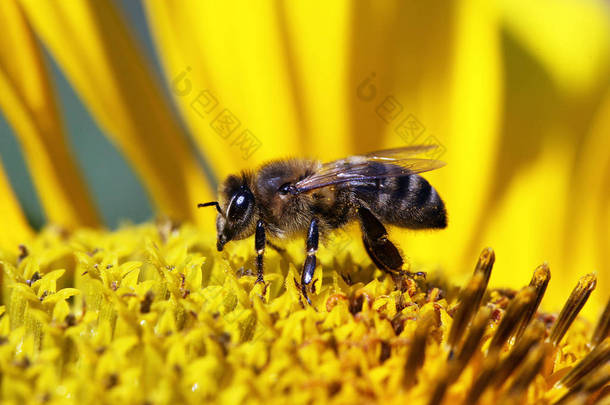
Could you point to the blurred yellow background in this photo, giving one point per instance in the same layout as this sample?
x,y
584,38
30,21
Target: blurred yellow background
x,y
515,93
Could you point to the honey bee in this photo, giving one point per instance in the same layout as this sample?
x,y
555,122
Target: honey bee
x,y
303,197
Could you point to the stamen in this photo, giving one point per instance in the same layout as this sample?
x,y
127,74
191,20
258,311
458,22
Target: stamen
x,y
602,330
599,356
526,373
469,303
484,378
540,280
473,340
417,353
586,387
458,364
512,317
486,263
572,307
441,388
496,371
471,297
532,336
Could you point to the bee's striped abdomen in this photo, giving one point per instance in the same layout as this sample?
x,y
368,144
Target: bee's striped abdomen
x,y
406,201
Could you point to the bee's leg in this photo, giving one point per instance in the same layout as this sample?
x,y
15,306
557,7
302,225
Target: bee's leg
x,y
310,260
375,237
259,246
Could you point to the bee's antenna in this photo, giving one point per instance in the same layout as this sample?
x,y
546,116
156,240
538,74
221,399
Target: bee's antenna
x,y
208,204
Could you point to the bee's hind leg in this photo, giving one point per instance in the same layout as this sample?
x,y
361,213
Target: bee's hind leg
x,y
381,250
310,261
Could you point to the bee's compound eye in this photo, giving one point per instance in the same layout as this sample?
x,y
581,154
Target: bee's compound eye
x,y
240,205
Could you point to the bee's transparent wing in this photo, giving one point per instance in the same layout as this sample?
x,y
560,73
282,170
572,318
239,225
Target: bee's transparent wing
x,y
401,153
374,165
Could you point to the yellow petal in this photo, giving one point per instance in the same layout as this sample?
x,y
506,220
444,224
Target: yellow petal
x,y
461,114
476,108
13,225
229,77
570,38
539,178
400,71
416,78
532,202
587,231
317,52
99,56
28,102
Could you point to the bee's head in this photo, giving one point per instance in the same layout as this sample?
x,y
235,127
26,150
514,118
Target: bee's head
x,y
236,219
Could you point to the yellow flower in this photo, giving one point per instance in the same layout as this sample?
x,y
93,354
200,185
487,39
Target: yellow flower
x,y
155,314
517,96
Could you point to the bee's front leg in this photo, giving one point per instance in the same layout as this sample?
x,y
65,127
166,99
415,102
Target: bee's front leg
x,y
259,246
310,261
